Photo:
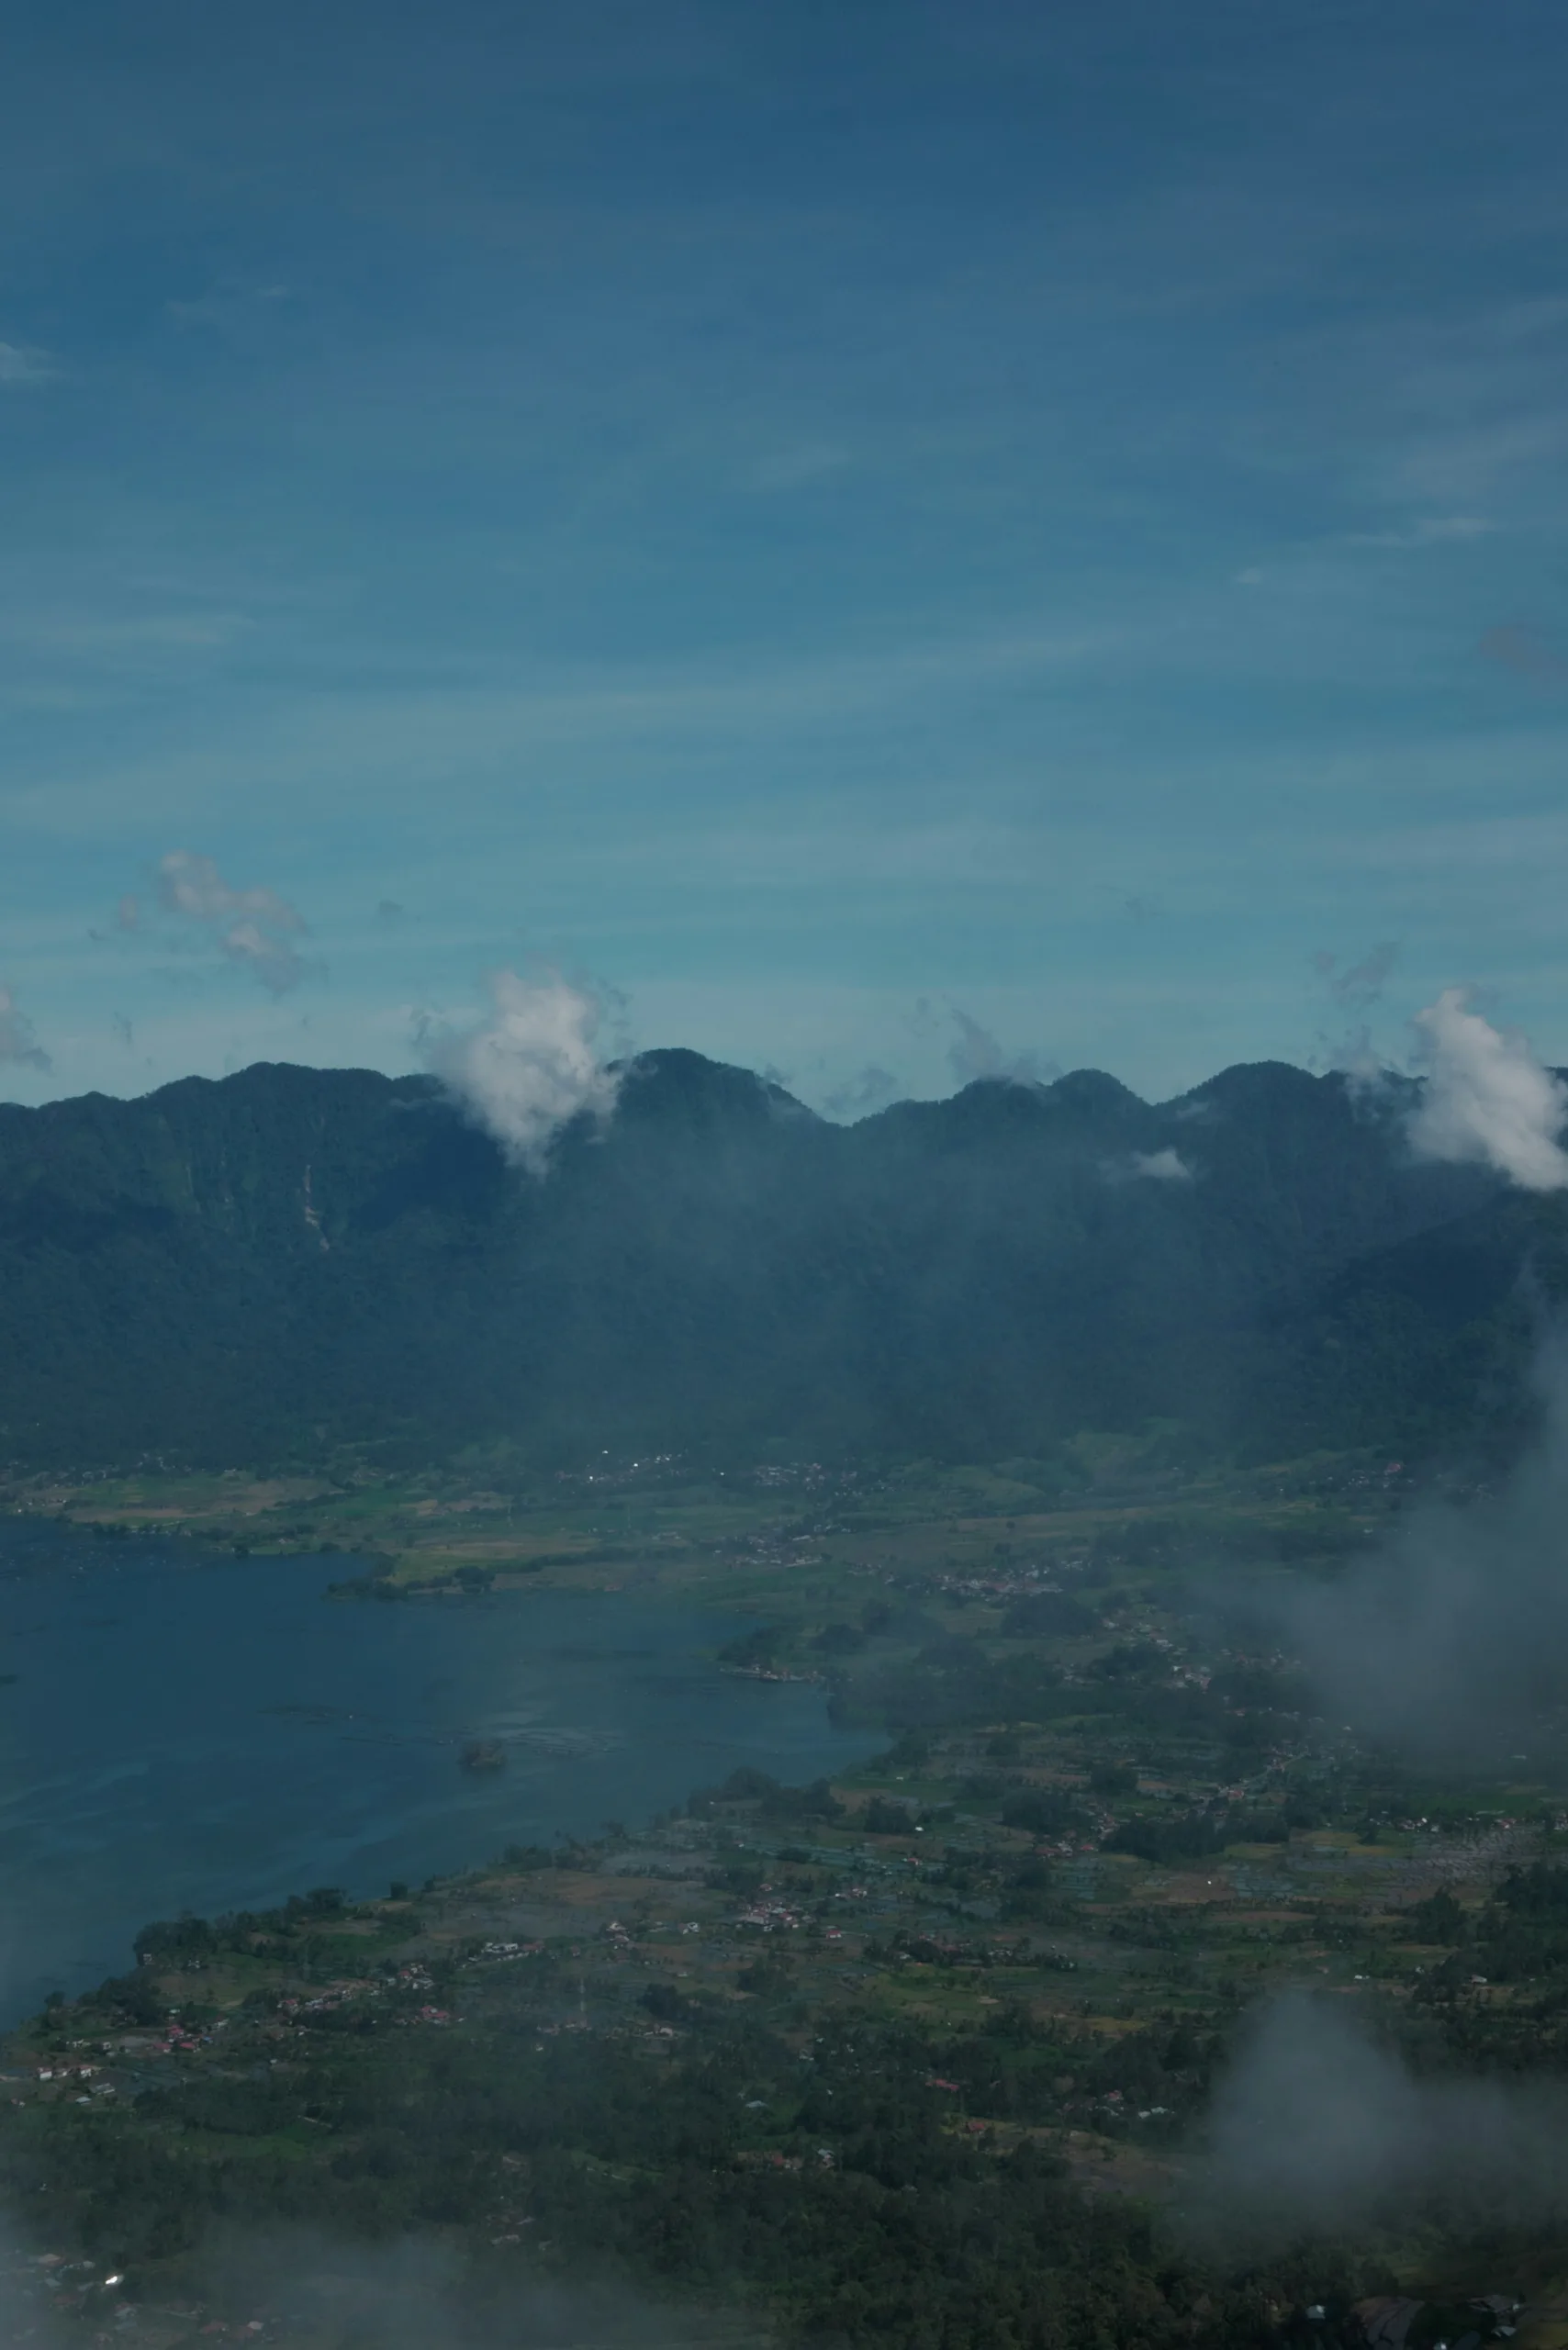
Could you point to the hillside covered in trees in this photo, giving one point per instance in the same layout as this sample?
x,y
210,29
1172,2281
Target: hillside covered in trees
x,y
292,1259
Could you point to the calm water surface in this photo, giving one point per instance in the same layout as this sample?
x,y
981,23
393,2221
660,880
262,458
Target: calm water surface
x,y
206,1734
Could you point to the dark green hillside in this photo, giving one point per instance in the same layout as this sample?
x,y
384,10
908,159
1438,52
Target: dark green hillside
x,y
296,1257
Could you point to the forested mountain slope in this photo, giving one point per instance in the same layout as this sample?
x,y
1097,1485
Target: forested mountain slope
x,y
294,1257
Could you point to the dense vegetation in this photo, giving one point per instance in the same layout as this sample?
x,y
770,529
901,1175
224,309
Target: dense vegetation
x,y
922,2057
876,2223
258,1268
735,2143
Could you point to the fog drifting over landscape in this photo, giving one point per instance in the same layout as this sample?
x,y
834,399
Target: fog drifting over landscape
x,y
1451,1636
1316,2126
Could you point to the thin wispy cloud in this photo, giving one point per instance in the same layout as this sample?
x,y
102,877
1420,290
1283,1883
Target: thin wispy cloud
x,y
19,1044
1486,461
1355,990
253,927
23,365
1359,985
1435,530
799,467
1524,655
871,1088
975,1053
229,308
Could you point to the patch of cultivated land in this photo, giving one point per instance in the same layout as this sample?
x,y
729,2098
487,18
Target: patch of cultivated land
x,y
1002,1962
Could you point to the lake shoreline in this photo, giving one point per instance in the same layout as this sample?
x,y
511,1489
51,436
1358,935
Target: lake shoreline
x,y
186,1733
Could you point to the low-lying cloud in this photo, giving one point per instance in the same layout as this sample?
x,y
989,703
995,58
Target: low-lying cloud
x,y
410,2293
255,928
531,1068
19,1044
1487,1099
1452,1635
1316,2125
25,2297
416,2293
1165,1166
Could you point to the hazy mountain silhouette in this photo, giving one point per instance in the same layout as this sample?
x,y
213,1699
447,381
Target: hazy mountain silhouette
x,y
292,1257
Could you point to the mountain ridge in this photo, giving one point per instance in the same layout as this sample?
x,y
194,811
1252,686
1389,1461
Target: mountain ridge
x,y
289,1257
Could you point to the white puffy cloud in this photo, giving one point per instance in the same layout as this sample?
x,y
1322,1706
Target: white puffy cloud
x,y
1161,1165
17,1042
1165,1166
252,928
1487,1098
530,1067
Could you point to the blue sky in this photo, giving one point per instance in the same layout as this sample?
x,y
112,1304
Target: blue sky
x,y
890,539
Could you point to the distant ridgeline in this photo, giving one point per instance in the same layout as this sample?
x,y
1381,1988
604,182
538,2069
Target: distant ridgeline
x,y
295,1257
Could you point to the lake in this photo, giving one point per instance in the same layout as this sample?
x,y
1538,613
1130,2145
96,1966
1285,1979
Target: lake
x,y
187,1732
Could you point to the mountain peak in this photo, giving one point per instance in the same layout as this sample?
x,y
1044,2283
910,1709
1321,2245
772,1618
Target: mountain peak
x,y
673,1085
1255,1085
1090,1092
251,1262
